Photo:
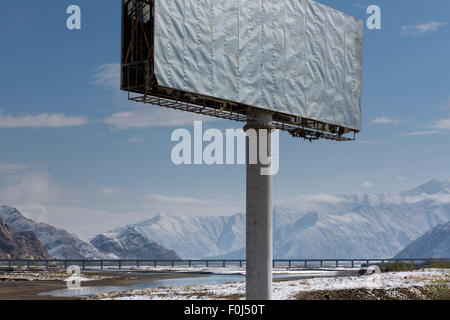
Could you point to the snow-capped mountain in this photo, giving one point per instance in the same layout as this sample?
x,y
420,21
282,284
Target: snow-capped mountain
x,y
194,237
58,242
433,244
432,187
20,245
130,244
315,226
312,226
354,226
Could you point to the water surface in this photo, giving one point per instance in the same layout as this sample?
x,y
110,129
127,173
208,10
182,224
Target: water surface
x,y
210,279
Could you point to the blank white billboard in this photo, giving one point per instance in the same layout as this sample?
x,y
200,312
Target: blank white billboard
x,y
296,57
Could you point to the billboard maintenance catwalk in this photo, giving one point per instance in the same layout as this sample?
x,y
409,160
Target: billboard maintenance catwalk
x,y
293,65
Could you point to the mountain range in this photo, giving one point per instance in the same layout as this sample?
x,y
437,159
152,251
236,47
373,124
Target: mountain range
x,y
20,245
310,226
58,242
315,226
433,244
130,244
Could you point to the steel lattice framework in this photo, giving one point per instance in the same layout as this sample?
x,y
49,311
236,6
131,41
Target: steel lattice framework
x,y
139,80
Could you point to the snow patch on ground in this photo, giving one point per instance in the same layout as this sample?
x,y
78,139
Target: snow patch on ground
x,y
284,290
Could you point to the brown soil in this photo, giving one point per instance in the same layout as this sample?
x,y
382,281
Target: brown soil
x,y
29,290
363,294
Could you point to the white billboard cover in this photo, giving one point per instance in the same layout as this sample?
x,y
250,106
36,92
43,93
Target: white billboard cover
x,y
297,57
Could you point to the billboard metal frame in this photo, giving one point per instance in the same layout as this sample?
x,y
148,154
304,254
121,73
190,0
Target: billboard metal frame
x,y
139,80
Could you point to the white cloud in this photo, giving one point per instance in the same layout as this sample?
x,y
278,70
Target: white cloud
x,y
311,202
84,222
422,28
31,187
34,193
441,198
143,116
37,196
152,116
384,120
35,211
178,200
134,139
88,222
110,190
321,197
400,178
12,168
366,142
153,204
107,76
436,127
443,124
421,133
50,120
367,184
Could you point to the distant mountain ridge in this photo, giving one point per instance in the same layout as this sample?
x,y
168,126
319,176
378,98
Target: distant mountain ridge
x,y
194,237
433,244
58,242
20,245
130,244
314,226
310,226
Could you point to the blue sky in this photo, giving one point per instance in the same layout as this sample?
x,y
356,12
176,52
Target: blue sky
x,y
77,154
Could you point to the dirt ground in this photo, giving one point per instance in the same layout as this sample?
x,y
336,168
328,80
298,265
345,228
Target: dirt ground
x,y
29,290
413,293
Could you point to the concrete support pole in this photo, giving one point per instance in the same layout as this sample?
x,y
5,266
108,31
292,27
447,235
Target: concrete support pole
x,y
259,209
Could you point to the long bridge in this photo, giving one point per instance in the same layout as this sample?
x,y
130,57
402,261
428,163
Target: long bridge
x,y
86,264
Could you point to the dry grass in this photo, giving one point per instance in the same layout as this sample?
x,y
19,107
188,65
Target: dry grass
x,y
438,289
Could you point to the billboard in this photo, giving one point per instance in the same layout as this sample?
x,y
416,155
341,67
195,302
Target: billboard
x,y
299,59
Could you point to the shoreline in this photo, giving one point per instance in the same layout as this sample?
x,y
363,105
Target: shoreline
x,y
403,285
33,289
19,288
